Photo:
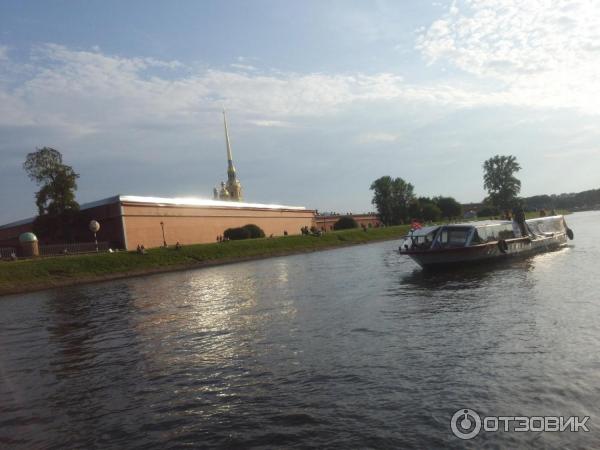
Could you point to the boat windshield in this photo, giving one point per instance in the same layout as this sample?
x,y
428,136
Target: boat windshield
x,y
419,239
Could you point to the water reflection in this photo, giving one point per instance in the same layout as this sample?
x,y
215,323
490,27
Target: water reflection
x,y
468,277
350,348
212,309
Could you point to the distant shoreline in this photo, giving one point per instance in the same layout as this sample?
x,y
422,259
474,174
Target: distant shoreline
x,y
26,276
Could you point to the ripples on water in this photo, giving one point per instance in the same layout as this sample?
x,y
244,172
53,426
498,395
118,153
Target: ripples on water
x,y
349,348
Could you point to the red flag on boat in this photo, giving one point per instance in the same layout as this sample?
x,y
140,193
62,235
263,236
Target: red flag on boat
x,y
415,224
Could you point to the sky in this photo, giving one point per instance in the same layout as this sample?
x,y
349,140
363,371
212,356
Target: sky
x,y
322,97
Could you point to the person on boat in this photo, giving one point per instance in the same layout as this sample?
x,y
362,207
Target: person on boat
x,y
516,229
519,219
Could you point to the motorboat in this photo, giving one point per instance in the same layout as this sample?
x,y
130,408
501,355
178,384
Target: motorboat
x,y
473,242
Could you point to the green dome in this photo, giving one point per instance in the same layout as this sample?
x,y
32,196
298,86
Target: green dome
x,y
27,237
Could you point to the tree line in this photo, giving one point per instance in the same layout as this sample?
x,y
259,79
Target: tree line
x,y
397,203
581,200
394,198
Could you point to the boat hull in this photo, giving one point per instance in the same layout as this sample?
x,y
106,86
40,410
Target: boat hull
x,y
491,251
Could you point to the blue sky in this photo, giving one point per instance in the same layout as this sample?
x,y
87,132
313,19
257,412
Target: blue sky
x,y
323,97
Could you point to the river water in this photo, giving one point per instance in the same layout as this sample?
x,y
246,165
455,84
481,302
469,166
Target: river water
x,y
350,348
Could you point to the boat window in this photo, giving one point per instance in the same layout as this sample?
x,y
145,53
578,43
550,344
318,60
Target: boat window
x,y
495,232
454,237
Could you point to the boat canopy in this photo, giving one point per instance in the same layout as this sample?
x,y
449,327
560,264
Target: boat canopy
x,y
544,226
493,231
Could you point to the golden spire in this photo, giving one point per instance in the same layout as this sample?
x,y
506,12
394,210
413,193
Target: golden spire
x,y
234,188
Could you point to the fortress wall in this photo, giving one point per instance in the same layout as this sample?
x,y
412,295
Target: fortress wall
x,y
9,236
326,223
200,224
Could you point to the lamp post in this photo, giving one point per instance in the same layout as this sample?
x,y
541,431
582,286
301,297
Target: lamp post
x,y
162,225
94,228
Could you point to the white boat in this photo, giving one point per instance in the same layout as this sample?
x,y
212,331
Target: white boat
x,y
473,242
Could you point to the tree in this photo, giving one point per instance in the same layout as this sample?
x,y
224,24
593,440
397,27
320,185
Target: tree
x,y
254,231
392,196
57,180
345,223
488,211
249,231
424,208
382,198
448,206
500,182
55,200
414,209
430,212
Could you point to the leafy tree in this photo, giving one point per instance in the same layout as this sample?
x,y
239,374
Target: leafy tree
x,y
448,206
424,208
57,181
383,198
236,234
345,223
392,197
488,211
57,208
539,202
431,212
249,231
414,209
254,231
500,181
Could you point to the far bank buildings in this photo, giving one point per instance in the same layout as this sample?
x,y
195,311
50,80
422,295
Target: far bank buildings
x,y
127,221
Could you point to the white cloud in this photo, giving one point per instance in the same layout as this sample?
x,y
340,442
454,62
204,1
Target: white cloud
x,y
540,53
368,138
271,123
86,91
82,92
245,67
570,153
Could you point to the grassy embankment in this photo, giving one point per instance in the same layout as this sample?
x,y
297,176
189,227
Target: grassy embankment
x,y
42,273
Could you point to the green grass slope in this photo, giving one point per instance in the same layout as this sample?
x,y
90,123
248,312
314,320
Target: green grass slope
x,y
41,273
